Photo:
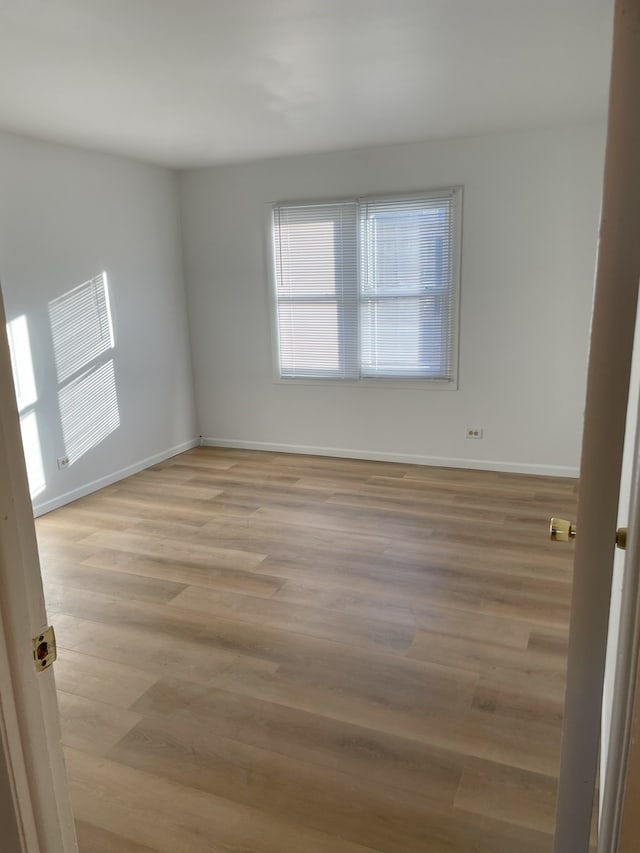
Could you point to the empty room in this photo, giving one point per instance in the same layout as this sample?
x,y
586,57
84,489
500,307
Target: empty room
x,y
298,303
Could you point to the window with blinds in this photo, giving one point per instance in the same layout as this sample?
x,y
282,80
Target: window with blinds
x,y
368,289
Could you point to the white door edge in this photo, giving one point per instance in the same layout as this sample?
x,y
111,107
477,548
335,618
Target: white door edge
x,y
14,758
610,356
29,717
625,681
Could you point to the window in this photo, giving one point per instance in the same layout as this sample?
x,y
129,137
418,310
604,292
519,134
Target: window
x,y
368,289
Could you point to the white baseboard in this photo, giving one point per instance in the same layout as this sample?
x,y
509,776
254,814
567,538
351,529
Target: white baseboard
x,y
81,491
408,458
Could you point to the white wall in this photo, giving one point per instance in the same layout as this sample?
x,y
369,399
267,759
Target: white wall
x,y
65,216
531,205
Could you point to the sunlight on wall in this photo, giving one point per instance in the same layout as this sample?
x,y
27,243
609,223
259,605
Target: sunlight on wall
x,y
33,453
22,362
81,326
82,332
26,398
88,410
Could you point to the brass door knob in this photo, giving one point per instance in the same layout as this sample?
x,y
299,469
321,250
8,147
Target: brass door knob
x,y
561,530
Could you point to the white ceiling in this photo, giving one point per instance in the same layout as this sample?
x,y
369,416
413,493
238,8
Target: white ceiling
x,y
193,82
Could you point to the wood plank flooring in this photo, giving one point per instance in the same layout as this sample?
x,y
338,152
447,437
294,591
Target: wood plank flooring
x,y
286,654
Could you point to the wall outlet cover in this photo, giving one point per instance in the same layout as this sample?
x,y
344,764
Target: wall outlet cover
x,y
474,432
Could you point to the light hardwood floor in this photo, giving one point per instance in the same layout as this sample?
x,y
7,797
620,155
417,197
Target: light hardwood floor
x,y
286,654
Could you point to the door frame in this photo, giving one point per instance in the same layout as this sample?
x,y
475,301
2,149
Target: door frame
x,y
29,718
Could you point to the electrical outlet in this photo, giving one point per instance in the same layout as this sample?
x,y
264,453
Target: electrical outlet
x,y
63,462
474,432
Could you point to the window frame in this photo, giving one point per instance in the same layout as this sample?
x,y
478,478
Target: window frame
x,y
456,192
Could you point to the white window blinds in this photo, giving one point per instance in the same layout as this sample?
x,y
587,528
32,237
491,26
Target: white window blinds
x,y
368,289
316,255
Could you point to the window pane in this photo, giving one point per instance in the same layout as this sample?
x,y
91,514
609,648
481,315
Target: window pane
x,y
316,266
406,251
408,291
405,337
308,259
310,339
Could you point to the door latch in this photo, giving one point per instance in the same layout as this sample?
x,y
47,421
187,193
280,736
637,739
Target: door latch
x,y
561,530
44,648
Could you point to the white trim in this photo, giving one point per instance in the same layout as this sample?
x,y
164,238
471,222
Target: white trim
x,y
400,384
40,508
408,458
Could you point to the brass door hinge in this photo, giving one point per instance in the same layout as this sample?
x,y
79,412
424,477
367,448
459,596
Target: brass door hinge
x,y
44,648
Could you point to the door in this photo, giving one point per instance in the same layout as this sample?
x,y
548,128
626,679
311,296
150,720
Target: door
x,y
612,334
38,814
